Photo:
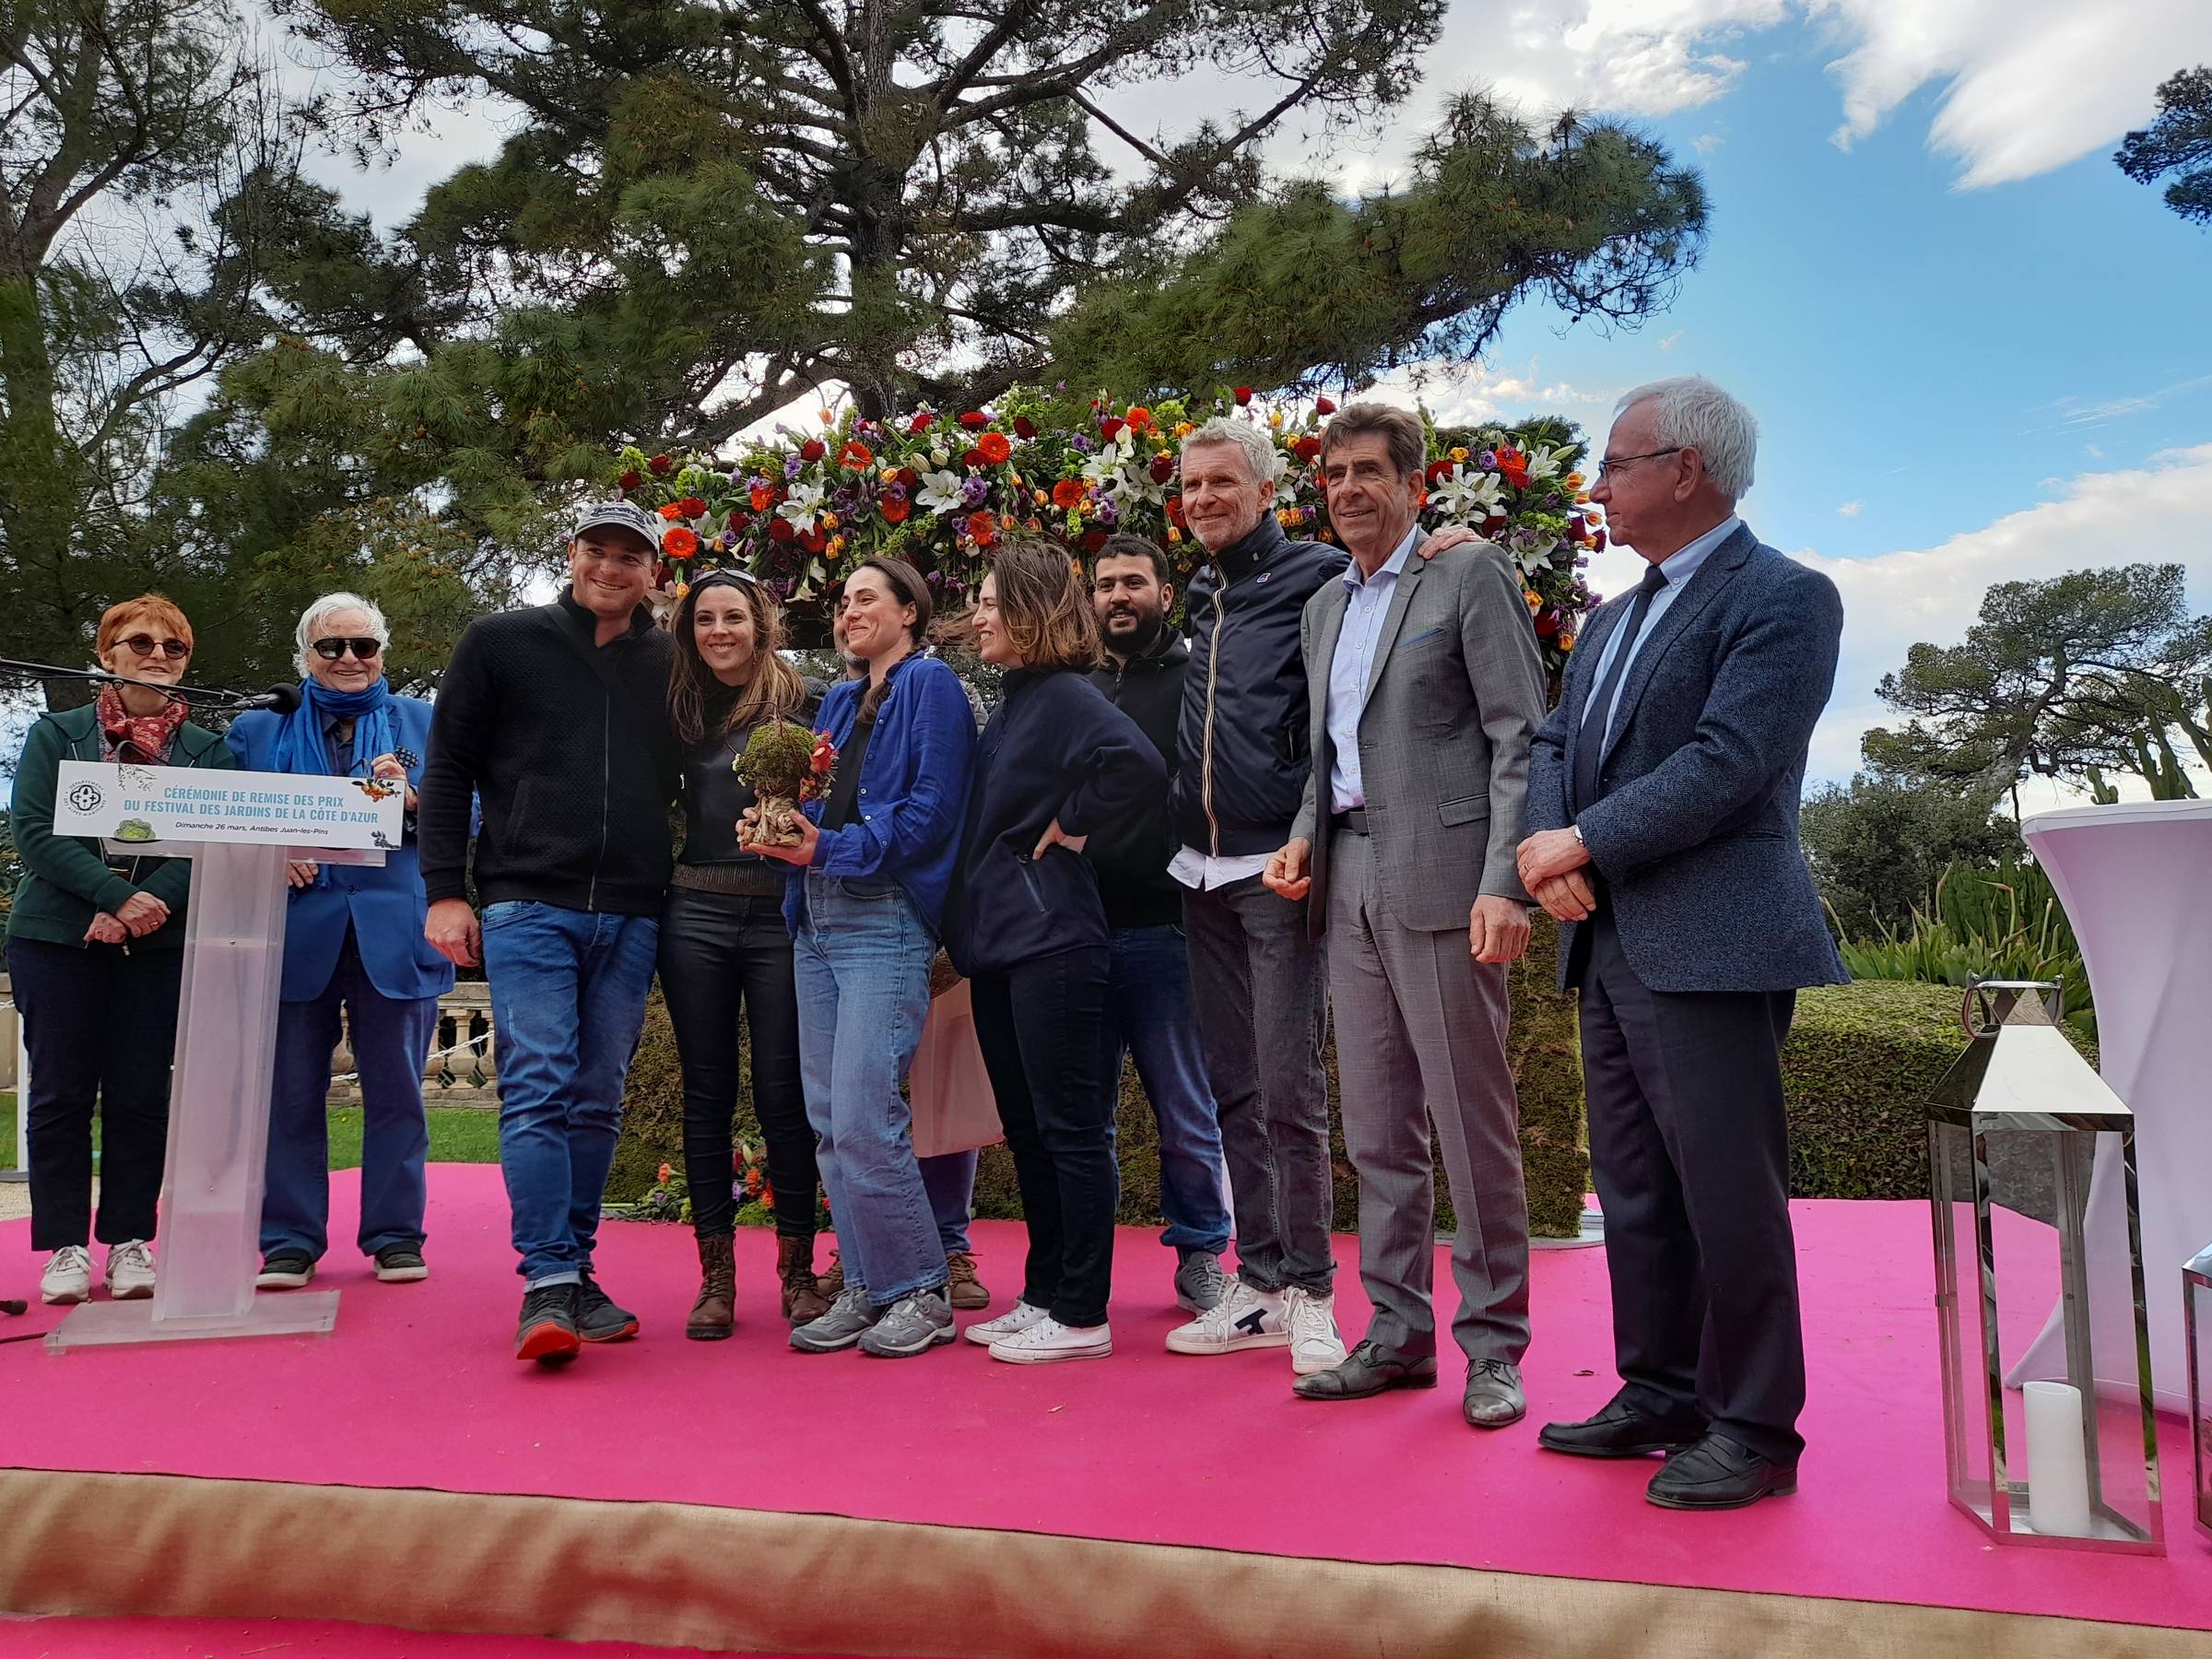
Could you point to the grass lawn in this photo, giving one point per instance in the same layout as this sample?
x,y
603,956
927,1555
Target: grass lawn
x,y
458,1134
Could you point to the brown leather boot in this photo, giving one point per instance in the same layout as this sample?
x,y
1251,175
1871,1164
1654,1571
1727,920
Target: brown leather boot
x,y
803,1301
831,1285
714,1312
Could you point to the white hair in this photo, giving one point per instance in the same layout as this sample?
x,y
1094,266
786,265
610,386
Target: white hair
x,y
329,605
1262,459
1693,413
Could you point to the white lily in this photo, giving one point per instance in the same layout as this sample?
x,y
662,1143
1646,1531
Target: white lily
x,y
802,505
1472,497
940,492
1545,462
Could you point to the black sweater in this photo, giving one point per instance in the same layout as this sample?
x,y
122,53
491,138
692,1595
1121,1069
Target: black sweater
x,y
1055,749
714,796
1131,854
575,786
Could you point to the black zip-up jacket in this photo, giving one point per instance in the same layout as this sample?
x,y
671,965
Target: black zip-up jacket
x,y
1244,748
1131,854
575,786
1055,749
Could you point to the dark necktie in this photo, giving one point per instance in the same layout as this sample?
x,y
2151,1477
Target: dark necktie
x,y
1590,743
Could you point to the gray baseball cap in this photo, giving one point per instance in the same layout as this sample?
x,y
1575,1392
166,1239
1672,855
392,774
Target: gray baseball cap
x,y
626,515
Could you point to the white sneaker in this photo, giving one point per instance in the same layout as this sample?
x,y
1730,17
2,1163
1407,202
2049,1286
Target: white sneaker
x,y
68,1276
131,1271
1018,1318
1314,1343
1245,1318
1047,1339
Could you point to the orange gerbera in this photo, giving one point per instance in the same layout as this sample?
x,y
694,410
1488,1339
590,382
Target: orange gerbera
x,y
680,542
857,454
982,528
672,511
995,447
762,497
1067,493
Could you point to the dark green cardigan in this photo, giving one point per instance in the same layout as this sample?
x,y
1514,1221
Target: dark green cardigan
x,y
68,880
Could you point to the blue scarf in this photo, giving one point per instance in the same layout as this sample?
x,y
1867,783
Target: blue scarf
x,y
301,747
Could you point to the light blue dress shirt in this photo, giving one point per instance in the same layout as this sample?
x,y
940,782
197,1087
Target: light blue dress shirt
x,y
1352,669
1679,566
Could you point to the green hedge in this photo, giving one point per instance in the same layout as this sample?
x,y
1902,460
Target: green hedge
x,y
1857,1070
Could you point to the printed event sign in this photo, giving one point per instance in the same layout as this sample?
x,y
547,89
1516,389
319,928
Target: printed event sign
x,y
155,804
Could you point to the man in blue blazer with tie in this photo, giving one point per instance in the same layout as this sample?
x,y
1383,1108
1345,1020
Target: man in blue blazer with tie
x,y
1661,830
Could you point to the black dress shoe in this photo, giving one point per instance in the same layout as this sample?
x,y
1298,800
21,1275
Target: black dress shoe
x,y
1719,1473
1621,1430
1369,1369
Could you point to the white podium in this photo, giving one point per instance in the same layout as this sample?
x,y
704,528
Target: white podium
x,y
2137,883
240,830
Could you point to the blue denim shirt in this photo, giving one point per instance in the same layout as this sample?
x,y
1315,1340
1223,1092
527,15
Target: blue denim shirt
x,y
913,788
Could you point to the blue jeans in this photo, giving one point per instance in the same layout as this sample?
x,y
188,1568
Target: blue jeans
x,y
1148,1000
568,1003
391,1041
863,956
949,1180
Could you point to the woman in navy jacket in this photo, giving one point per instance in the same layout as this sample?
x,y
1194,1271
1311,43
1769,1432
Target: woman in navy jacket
x,y
865,907
352,938
1058,761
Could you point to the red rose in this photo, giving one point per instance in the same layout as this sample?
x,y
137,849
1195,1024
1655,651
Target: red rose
x,y
1163,468
780,532
1437,469
692,506
975,420
1306,448
1494,524
739,523
1024,428
1548,624
910,478
659,465
994,447
920,423
631,479
1093,539
1243,395
1111,427
813,449
1324,406
974,457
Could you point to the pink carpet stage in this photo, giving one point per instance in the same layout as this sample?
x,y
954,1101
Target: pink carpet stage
x,y
735,1495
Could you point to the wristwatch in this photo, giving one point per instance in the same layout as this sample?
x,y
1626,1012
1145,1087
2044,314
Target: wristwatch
x,y
1576,831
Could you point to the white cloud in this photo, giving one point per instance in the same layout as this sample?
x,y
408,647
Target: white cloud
x,y
1850,509
1462,394
1667,344
2029,85
1893,600
1706,143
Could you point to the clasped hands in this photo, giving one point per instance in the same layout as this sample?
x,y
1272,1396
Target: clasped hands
x,y
1496,927
135,917
1553,865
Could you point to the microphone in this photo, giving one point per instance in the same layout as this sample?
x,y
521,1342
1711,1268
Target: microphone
x,y
281,699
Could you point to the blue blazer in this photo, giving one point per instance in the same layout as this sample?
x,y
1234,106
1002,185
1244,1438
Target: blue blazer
x,y
913,788
385,906
1695,831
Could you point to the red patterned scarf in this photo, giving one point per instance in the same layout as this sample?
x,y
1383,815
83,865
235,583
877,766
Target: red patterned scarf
x,y
141,737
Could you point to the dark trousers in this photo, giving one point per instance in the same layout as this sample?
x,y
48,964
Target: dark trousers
x,y
1690,1149
101,1024
720,952
390,1040
1048,1043
1257,982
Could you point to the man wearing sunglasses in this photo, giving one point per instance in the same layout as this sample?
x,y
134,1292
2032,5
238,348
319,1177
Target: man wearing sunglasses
x,y
555,718
353,947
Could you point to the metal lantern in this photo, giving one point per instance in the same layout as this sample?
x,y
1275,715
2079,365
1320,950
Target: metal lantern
x,y
2196,1322
2013,1130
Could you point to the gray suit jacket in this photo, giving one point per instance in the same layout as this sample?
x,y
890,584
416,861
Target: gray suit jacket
x,y
1695,830
1455,694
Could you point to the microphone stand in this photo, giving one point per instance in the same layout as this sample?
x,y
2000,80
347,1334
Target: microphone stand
x,y
191,695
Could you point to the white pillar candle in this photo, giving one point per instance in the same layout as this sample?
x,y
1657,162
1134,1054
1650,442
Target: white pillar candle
x,y
2058,1474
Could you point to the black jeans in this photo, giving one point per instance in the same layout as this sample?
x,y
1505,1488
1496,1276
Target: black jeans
x,y
717,951
1049,1046
99,1023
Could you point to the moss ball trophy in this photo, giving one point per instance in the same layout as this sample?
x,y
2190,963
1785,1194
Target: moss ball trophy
x,y
786,766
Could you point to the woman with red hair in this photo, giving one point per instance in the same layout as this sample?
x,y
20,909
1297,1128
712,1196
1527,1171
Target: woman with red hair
x,y
95,958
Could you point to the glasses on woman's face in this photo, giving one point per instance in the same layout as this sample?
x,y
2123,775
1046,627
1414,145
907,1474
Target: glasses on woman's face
x,y
365,650
144,645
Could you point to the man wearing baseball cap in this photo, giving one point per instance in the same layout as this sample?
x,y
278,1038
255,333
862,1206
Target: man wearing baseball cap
x,y
554,719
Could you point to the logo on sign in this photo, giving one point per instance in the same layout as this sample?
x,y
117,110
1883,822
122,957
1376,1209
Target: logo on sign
x,y
85,797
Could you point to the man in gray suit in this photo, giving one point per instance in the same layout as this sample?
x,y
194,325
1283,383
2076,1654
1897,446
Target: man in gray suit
x,y
1662,829
1425,689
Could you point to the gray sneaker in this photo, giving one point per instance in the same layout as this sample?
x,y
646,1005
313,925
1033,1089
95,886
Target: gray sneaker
x,y
1199,1282
912,1324
850,1315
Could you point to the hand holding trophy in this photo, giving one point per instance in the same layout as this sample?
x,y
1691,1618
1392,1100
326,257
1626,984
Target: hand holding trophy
x,y
787,766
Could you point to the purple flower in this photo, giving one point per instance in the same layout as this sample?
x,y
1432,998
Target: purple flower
x,y
1110,512
1080,442
894,492
791,466
1487,460
974,492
